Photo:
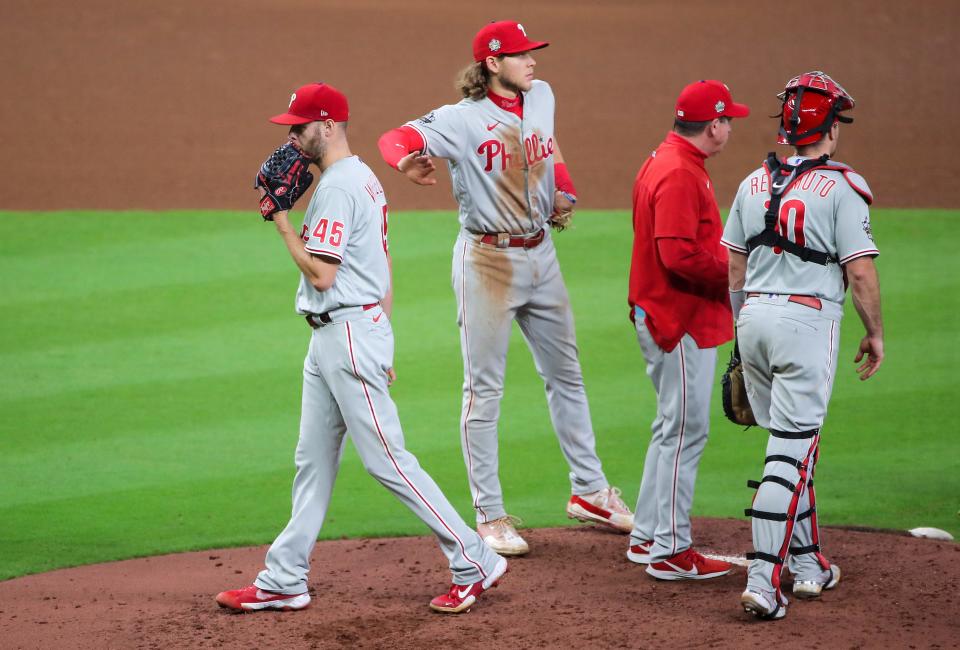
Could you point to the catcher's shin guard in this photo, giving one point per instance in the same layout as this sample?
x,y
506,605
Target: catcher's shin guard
x,y
788,466
814,528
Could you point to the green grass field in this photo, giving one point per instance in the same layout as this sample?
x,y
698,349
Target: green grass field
x,y
150,387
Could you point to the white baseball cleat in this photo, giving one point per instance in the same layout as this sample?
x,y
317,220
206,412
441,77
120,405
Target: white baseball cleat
x,y
763,604
828,579
602,507
502,537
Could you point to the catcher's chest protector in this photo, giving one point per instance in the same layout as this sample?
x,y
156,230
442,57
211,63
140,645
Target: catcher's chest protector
x,y
781,176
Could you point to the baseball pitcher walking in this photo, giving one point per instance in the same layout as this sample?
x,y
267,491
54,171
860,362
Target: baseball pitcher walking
x,y
798,233
681,311
511,183
344,293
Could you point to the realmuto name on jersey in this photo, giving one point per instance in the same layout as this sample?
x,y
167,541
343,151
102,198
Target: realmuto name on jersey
x,y
814,182
498,153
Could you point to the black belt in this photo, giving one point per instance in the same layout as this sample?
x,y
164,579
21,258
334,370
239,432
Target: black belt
x,y
319,320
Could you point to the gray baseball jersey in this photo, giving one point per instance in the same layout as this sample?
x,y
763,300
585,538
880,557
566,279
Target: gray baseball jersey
x,y
346,221
821,211
501,165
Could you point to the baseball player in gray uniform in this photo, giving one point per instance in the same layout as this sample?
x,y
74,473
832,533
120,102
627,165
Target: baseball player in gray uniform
x,y
344,292
510,182
798,233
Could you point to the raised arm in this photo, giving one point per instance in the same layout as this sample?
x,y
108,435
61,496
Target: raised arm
x,y
403,149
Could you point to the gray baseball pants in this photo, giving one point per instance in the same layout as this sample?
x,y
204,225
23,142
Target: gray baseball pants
x,y
683,381
495,287
789,354
345,391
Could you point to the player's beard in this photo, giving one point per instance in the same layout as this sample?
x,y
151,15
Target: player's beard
x,y
510,85
314,147
317,150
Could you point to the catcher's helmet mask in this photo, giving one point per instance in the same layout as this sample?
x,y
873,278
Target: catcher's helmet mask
x,y
827,94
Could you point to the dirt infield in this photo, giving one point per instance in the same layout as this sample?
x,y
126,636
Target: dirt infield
x,y
575,589
163,104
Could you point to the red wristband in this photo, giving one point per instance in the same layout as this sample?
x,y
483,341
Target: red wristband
x,y
562,178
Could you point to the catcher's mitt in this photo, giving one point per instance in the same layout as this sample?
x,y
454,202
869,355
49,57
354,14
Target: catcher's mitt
x,y
736,406
284,178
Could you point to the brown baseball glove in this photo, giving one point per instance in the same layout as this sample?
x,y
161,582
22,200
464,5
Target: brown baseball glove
x,y
562,211
736,406
561,219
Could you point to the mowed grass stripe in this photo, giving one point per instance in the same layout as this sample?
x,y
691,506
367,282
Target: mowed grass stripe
x,y
176,431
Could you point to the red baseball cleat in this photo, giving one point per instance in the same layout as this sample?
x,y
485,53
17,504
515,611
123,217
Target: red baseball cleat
x,y
461,598
640,553
252,598
689,565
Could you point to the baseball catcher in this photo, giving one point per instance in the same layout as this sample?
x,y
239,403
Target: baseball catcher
x,y
282,179
803,222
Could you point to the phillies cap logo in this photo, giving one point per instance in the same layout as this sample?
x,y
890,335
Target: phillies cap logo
x,y
494,45
293,98
720,106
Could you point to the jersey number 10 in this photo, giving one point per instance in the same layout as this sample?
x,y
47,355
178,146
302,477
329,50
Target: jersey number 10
x,y
782,226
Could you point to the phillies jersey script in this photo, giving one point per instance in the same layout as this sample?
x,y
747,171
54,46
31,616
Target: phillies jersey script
x,y
821,210
347,222
501,164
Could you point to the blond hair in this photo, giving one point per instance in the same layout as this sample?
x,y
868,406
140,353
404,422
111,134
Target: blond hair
x,y
474,80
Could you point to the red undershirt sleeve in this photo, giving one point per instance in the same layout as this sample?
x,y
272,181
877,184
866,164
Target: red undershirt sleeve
x,y
562,178
397,143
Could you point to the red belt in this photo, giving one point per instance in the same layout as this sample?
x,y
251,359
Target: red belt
x,y
806,301
325,319
505,240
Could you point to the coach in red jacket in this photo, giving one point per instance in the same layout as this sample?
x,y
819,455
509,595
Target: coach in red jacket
x,y
681,308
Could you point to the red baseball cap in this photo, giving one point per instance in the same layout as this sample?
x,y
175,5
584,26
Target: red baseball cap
x,y
315,102
503,37
706,100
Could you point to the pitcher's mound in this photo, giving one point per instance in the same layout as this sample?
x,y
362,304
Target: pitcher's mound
x,y
575,589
